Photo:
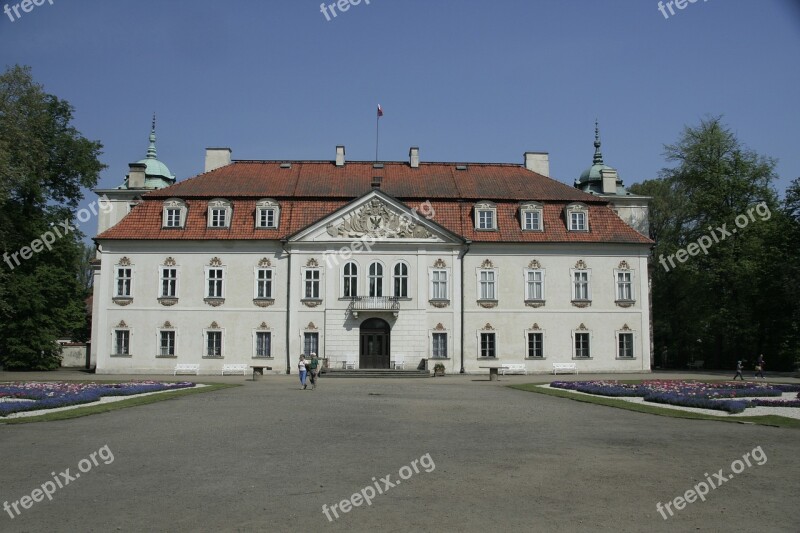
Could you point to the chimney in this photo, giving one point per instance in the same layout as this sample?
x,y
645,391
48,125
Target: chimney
x,y
538,162
413,157
609,177
340,156
217,157
136,175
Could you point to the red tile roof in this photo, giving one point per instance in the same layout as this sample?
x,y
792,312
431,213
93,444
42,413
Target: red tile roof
x,y
309,191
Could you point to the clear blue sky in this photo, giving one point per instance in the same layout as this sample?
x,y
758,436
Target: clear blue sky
x,y
464,80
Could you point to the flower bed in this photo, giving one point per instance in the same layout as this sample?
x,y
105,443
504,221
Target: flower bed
x,y
724,395
33,396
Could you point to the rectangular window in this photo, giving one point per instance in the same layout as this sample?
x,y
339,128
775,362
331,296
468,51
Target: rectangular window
x,y
535,344
439,285
213,344
534,285
577,221
266,218
532,220
310,343
581,285
124,278
439,345
214,279
582,345
624,286
312,283
169,282
122,342
218,217
485,219
263,344
626,345
264,283
488,348
166,343
173,218
487,285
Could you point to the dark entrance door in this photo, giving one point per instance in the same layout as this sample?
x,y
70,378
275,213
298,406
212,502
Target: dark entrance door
x,y
374,344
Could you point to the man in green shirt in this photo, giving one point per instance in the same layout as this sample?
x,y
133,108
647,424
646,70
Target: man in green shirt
x,y
314,366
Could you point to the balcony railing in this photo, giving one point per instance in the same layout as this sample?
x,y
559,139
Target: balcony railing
x,y
374,303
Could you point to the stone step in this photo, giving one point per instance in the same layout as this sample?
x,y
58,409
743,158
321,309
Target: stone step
x,y
375,373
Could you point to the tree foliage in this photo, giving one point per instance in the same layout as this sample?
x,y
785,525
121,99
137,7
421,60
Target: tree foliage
x,y
728,300
45,164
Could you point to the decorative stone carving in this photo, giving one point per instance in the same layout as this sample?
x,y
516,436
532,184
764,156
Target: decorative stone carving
x,y
122,300
583,327
534,303
263,302
312,303
312,263
625,303
487,327
169,262
125,262
439,263
580,265
534,264
536,327
214,325
487,304
167,302
439,327
167,325
487,263
263,326
215,262
122,324
265,263
311,325
625,328
375,220
581,303
214,302
623,265
440,303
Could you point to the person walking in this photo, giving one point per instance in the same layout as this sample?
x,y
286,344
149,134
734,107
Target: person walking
x,y
739,368
314,369
760,367
301,367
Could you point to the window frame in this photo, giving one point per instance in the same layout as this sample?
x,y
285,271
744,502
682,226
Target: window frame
x,y
217,205
162,279
489,208
256,344
618,285
307,350
433,284
207,336
528,296
577,209
264,206
487,334
304,273
267,282
350,280
581,333
494,283
574,284
115,333
375,281
160,344
619,336
402,278
169,205
531,208
221,280
433,336
118,278
528,334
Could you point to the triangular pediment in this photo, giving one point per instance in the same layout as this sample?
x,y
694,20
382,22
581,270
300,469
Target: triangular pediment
x,y
377,216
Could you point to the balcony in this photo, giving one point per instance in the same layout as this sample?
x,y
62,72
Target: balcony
x,y
373,303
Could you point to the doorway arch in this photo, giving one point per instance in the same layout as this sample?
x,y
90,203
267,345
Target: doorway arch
x,y
374,343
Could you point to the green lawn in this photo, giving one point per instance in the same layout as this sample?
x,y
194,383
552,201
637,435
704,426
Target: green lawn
x,y
771,420
92,409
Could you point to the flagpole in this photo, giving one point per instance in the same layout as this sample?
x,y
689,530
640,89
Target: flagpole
x,y
377,134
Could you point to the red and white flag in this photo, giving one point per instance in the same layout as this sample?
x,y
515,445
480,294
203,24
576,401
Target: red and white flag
x,y
380,110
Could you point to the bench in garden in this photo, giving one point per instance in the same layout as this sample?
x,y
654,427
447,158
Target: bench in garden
x,y
513,368
235,368
186,368
565,366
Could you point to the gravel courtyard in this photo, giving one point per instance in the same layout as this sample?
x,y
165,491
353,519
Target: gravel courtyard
x,y
266,457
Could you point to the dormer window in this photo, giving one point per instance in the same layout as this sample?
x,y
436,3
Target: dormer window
x,y
486,216
219,213
267,214
530,215
174,214
577,216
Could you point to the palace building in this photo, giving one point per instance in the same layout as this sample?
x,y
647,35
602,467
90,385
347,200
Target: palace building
x,y
371,264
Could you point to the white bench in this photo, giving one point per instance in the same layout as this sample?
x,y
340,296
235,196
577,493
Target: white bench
x,y
565,366
513,368
399,363
349,365
235,368
186,368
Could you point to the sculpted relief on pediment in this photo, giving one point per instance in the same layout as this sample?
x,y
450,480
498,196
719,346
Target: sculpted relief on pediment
x,y
375,220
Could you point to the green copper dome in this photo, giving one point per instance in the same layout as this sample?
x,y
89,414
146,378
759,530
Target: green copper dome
x,y
593,172
157,174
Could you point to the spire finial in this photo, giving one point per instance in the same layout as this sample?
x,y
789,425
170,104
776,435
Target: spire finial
x,y
598,156
151,150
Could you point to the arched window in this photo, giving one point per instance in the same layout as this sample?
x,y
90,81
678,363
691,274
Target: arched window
x,y
376,279
401,280
350,280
